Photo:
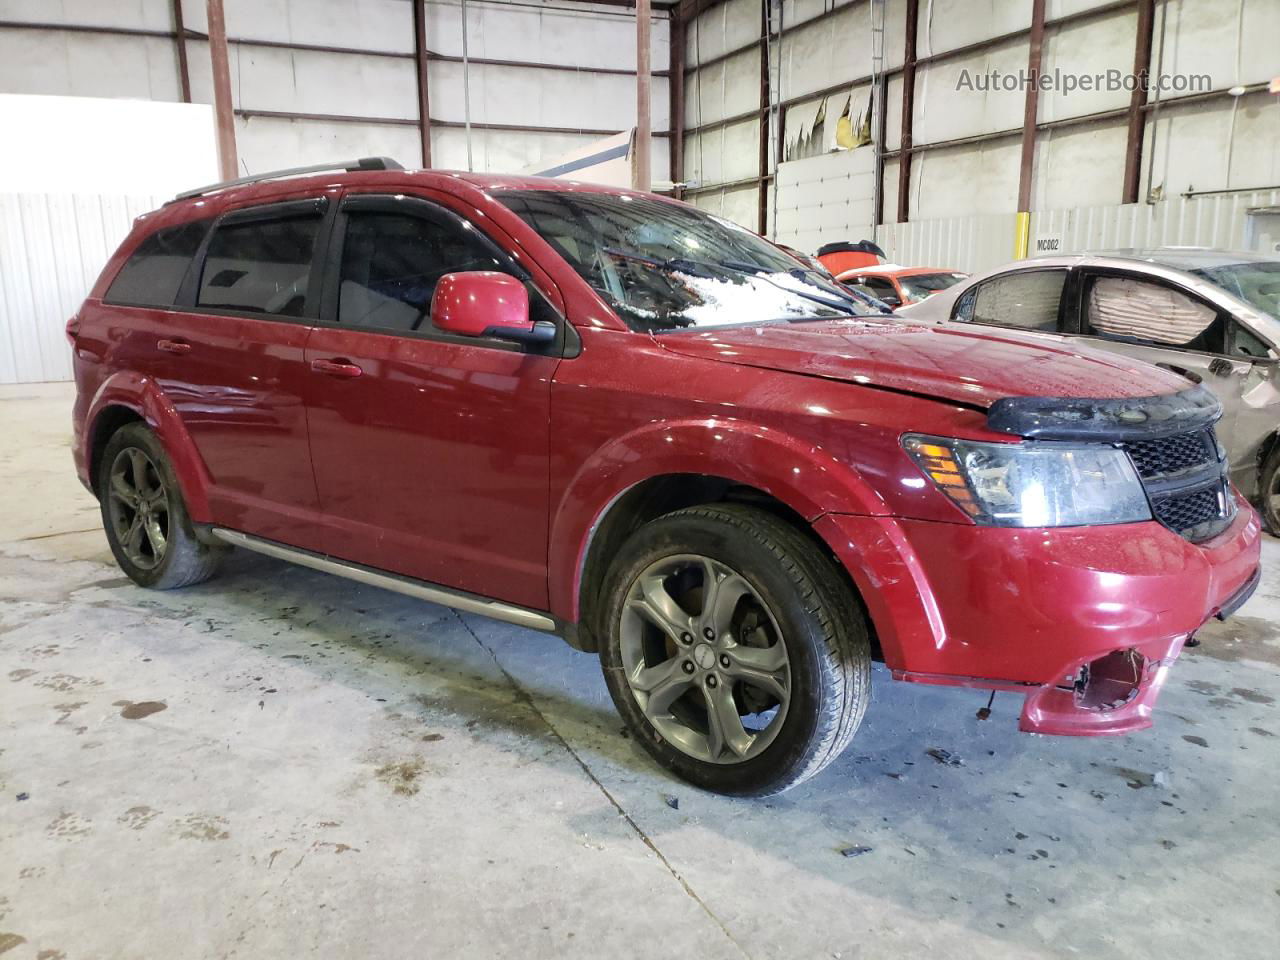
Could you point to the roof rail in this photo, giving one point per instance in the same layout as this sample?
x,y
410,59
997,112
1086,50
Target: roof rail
x,y
364,163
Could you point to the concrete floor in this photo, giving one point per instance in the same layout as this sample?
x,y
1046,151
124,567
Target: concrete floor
x,y
280,763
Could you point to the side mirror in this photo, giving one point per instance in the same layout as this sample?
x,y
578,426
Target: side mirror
x,y
484,303
892,299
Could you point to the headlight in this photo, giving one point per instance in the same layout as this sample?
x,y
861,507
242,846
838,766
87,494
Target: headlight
x,y
1033,484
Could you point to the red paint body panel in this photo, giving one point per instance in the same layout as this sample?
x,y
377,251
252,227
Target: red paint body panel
x,y
975,367
433,463
488,469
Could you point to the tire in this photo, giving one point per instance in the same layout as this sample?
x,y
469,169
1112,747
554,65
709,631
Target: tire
x,y
774,589
1269,492
146,522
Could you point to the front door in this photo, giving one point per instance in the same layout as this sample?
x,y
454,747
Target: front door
x,y
430,450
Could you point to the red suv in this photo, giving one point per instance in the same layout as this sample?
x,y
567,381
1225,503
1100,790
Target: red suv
x,y
616,418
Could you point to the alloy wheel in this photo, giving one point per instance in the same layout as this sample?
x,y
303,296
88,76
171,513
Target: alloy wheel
x,y
138,507
704,659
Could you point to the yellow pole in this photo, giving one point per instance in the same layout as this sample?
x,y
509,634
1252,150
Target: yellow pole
x,y
1022,235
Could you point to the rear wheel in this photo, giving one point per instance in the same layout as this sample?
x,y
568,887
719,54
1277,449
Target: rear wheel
x,y
1269,492
145,519
734,652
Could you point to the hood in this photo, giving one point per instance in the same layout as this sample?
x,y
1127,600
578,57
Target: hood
x,y
975,367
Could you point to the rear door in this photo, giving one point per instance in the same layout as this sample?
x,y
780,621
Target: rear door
x,y
430,449
230,359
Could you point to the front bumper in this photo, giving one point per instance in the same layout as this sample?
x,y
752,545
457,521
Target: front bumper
x,y
1085,621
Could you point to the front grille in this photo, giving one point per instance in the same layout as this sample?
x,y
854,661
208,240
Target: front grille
x,y
1186,482
1183,513
1157,458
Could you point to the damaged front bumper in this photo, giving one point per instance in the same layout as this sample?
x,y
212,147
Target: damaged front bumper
x,y
1085,622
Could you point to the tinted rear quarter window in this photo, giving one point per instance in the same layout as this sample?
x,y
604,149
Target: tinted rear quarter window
x,y
260,266
153,273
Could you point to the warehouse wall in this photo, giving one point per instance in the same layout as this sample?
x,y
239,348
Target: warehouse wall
x,y
574,80
967,142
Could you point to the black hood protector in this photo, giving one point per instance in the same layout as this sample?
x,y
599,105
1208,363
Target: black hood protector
x,y
1077,418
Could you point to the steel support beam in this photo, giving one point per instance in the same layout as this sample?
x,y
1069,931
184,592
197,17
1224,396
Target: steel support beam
x,y
676,89
1138,100
642,178
765,104
222,106
908,110
420,70
180,45
1035,50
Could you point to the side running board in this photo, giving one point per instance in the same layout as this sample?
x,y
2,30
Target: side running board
x,y
432,593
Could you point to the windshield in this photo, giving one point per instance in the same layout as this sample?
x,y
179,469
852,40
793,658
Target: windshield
x,y
1257,283
663,266
921,285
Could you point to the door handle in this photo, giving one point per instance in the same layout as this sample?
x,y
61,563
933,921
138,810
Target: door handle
x,y
173,346
336,368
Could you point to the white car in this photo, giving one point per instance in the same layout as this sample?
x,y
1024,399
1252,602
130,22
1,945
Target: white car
x,y
1211,315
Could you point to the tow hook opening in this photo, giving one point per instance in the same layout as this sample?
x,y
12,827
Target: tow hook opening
x,y
1109,682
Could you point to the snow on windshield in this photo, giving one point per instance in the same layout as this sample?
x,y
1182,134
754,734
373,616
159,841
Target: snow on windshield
x,y
747,299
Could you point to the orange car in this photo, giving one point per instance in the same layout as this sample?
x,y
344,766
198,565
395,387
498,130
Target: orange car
x,y
897,285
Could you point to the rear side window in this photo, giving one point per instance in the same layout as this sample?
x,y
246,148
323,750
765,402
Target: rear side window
x,y
260,266
152,275
1026,300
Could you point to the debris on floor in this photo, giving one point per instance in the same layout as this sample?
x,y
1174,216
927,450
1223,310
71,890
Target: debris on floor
x,y
946,757
855,851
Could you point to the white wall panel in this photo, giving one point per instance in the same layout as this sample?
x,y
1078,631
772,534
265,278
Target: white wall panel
x,y
583,35
957,181
726,26
270,143
501,94
1088,48
52,248
1081,165
944,112
951,24
305,81
385,25
87,65
136,14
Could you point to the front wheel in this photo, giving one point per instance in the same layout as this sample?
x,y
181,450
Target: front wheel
x,y
735,653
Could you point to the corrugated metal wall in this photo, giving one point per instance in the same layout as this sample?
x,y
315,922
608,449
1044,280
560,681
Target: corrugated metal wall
x,y
52,248
1219,220
815,208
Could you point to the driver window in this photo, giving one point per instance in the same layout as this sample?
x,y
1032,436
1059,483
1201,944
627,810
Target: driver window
x,y
391,263
1138,311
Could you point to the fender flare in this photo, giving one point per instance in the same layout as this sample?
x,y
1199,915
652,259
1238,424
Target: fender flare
x,y
805,477
144,397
